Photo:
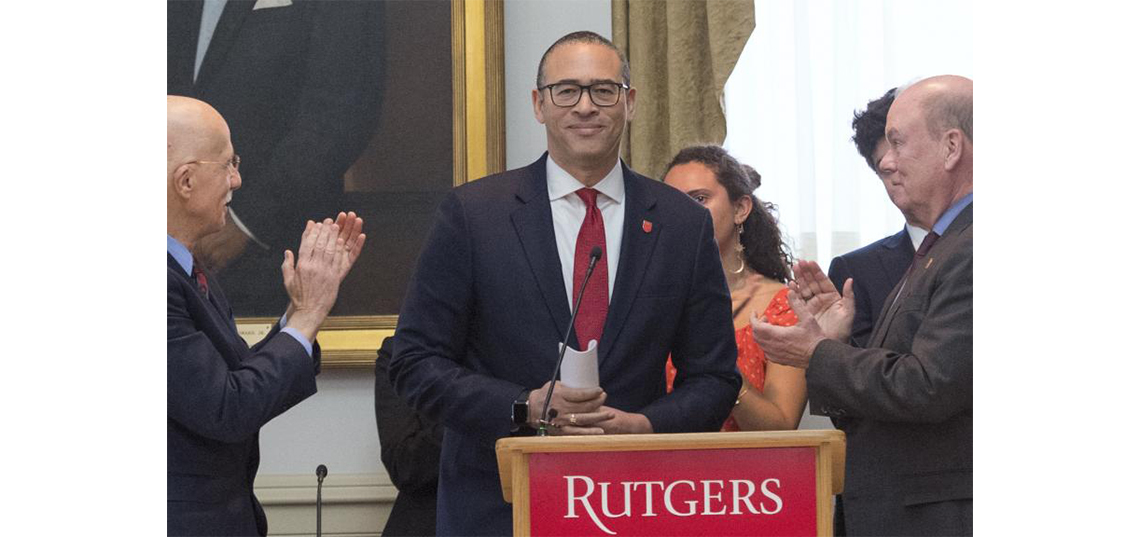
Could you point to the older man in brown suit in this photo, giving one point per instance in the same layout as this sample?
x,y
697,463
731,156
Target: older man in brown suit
x,y
906,401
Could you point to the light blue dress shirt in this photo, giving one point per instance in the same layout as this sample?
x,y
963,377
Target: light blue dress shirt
x,y
185,259
948,217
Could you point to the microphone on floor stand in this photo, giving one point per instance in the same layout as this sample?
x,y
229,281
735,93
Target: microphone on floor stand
x,y
322,471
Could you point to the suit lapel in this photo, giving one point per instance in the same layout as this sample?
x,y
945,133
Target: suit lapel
x,y
895,257
219,311
218,300
907,286
224,34
535,227
172,263
885,318
636,249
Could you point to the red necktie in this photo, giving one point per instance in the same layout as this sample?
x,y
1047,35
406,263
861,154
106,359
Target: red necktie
x,y
197,273
595,301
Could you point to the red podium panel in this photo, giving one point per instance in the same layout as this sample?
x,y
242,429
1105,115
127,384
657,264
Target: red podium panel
x,y
774,483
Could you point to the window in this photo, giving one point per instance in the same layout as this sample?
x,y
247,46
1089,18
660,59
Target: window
x,y
791,97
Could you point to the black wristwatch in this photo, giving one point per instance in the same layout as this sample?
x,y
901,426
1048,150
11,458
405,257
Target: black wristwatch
x,y
520,410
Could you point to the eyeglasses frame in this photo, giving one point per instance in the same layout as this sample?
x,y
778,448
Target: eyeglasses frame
x,y
584,88
234,162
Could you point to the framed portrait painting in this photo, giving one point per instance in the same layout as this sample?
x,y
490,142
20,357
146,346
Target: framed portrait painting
x,y
441,124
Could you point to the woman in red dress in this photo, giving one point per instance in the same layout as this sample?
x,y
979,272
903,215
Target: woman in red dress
x,y
756,264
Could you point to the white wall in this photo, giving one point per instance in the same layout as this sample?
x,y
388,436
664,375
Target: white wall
x,y
530,26
337,426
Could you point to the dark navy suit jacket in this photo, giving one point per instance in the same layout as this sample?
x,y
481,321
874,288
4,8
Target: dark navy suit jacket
x,y
876,269
219,393
487,308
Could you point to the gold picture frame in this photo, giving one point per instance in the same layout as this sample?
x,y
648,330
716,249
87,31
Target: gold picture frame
x,y
479,149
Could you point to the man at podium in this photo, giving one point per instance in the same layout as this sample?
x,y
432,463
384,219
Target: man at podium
x,y
506,260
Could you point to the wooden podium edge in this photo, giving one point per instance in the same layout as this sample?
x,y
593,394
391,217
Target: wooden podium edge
x,y
512,453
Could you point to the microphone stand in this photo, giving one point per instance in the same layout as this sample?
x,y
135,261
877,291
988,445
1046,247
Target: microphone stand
x,y
544,421
322,471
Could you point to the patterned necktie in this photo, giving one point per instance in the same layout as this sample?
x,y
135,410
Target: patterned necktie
x,y
200,276
924,248
595,300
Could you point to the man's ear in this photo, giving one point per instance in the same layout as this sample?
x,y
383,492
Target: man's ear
x,y
630,96
952,143
536,101
183,179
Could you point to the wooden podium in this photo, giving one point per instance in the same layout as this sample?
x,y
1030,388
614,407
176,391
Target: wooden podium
x,y
746,483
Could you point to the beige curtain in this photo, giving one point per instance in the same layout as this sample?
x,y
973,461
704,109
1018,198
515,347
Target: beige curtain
x,y
681,53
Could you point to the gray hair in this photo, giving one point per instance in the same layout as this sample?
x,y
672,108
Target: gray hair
x,y
945,111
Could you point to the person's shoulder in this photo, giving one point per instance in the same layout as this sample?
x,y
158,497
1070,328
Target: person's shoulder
x,y
178,287
175,274
495,187
871,250
963,223
672,200
960,239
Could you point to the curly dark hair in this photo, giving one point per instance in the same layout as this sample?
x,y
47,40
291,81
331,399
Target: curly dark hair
x,y
870,124
764,248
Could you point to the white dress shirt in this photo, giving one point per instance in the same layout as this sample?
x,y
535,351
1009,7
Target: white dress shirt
x,y
916,235
568,211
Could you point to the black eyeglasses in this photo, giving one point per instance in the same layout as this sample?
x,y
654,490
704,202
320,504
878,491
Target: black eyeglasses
x,y
567,94
234,161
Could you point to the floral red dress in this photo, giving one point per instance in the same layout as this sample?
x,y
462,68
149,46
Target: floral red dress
x,y
749,358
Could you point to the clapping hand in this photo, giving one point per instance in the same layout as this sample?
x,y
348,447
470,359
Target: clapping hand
x,y
327,252
821,311
351,228
834,312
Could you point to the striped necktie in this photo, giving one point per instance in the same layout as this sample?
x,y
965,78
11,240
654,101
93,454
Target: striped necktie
x,y
197,273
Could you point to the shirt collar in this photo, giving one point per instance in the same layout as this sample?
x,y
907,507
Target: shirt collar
x,y
180,253
915,234
948,217
559,182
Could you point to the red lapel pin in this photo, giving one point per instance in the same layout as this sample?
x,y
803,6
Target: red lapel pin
x,y
646,226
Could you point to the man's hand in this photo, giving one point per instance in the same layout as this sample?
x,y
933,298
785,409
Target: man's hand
x,y
625,422
351,228
789,345
326,254
834,313
216,250
573,410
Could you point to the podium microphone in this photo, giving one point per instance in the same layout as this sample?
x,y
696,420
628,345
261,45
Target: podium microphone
x,y
544,420
322,471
